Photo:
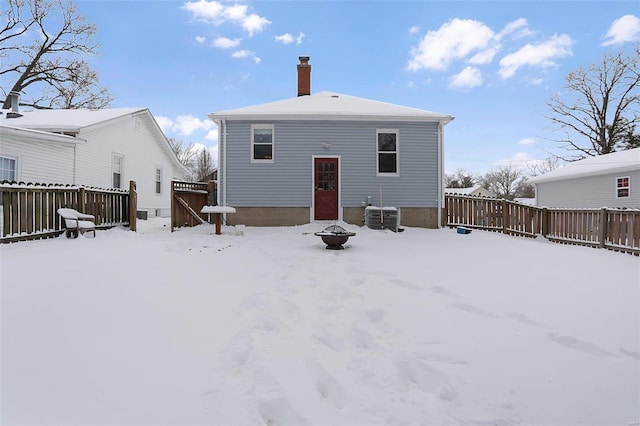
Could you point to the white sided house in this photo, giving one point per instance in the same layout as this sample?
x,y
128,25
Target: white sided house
x,y
610,180
99,148
326,156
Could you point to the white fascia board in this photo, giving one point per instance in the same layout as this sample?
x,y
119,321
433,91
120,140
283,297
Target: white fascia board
x,y
33,135
327,117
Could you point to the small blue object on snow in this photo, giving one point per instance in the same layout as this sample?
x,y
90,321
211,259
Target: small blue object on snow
x,y
463,230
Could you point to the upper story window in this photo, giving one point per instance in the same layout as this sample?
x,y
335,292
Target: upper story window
x,y
623,187
262,138
8,168
387,152
158,181
117,169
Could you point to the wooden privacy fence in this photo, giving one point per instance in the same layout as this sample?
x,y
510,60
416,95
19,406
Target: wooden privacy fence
x,y
614,229
187,199
29,210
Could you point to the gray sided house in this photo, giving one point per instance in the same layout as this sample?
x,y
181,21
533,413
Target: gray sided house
x,y
610,180
324,156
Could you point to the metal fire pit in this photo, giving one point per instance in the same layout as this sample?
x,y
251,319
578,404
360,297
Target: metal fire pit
x,y
334,236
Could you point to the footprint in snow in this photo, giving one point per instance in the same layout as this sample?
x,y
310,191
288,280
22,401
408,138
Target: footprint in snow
x,y
279,412
579,345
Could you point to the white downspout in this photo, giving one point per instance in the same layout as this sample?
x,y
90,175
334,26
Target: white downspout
x,y
440,172
223,146
75,163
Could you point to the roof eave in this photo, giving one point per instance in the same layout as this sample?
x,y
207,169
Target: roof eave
x,y
218,117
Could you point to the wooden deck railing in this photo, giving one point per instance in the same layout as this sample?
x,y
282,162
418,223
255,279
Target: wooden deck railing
x,y
615,229
29,210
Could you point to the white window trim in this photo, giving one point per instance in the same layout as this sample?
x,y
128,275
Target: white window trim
x,y
383,174
155,180
113,157
273,143
15,158
618,188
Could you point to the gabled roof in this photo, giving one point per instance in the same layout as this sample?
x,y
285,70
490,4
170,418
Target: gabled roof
x,y
330,106
65,120
615,162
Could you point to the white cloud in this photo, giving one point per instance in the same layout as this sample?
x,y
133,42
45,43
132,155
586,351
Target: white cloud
x,y
527,141
469,77
287,38
254,23
216,13
200,39
536,55
226,43
414,30
246,54
165,123
187,124
624,29
516,29
519,159
455,39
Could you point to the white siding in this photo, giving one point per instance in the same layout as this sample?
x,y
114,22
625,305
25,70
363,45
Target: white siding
x,y
588,192
40,162
287,181
134,138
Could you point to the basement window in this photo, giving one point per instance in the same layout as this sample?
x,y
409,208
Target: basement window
x,y
262,143
623,187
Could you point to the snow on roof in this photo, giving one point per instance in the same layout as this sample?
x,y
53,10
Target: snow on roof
x,y
19,133
71,120
465,191
330,105
615,162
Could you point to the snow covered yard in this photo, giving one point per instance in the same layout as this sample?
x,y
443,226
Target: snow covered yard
x,y
420,327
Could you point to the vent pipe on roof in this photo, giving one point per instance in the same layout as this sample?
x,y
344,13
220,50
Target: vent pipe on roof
x,y
14,98
304,76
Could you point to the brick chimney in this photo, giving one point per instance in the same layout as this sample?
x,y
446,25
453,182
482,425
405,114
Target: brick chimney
x,y
304,76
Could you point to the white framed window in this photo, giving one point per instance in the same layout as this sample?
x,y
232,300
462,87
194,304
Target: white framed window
x,y
8,168
158,180
623,187
262,143
387,152
117,170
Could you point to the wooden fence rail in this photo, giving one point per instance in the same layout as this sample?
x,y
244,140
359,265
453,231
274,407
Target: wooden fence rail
x,y
29,210
614,229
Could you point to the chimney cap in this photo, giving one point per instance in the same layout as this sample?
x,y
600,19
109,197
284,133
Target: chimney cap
x,y
303,59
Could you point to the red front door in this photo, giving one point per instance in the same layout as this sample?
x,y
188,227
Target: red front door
x,y
325,188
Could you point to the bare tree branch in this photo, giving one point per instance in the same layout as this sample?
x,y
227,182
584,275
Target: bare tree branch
x,y
40,44
600,113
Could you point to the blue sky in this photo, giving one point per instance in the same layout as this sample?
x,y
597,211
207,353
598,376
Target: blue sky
x,y
491,64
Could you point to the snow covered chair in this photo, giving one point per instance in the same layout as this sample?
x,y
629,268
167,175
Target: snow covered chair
x,y
77,223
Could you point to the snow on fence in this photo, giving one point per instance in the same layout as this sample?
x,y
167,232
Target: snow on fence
x,y
29,210
614,229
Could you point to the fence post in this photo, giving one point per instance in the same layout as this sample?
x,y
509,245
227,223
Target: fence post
x,y
545,222
603,227
133,206
505,216
82,207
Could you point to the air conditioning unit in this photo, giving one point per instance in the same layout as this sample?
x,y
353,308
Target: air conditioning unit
x,y
382,218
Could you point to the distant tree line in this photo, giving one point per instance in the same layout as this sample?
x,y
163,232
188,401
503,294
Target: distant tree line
x,y
508,181
198,161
